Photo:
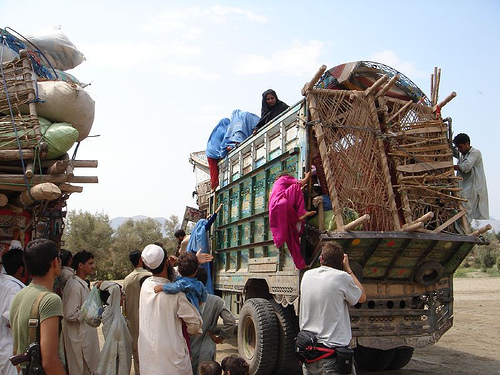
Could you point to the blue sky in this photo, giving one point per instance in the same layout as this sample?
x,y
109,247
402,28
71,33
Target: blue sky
x,y
164,72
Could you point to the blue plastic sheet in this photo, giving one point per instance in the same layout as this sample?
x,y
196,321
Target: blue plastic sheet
x,y
236,130
199,241
215,139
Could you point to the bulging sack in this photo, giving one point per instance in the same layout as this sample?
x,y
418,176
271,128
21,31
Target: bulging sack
x,y
57,48
92,308
65,102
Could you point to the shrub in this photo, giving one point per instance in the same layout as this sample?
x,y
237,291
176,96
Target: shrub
x,y
487,258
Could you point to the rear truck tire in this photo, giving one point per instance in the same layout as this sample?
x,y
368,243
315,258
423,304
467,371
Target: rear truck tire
x,y
288,328
402,357
258,336
371,359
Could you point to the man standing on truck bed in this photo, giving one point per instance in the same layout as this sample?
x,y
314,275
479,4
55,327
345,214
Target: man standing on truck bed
x,y
473,183
326,292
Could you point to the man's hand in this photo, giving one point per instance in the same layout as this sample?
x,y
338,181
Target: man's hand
x,y
203,257
215,338
345,264
172,259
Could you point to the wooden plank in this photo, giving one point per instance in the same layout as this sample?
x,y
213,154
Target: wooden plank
x,y
430,129
423,167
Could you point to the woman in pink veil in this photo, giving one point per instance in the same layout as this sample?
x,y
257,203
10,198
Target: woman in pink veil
x,y
287,214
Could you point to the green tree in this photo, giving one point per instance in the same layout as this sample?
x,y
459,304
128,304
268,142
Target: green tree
x,y
91,232
171,225
132,235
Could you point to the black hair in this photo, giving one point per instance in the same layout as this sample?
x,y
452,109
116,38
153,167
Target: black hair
x,y
179,233
141,281
235,365
38,256
134,257
12,260
332,254
81,257
202,275
209,368
65,256
461,139
187,264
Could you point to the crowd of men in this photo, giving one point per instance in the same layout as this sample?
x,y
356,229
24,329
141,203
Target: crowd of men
x,y
154,327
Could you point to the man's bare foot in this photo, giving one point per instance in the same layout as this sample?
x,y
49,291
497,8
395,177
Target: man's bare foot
x,y
307,214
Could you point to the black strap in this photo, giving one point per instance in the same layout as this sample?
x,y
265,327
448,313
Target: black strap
x,y
34,320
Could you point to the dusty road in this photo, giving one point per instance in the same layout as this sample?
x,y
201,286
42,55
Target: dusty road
x,y
471,346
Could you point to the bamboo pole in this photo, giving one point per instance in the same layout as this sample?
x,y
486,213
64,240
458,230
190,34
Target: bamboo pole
x,y
421,219
433,102
27,76
58,167
84,163
18,187
386,88
449,221
401,110
8,155
355,223
481,230
376,85
415,227
36,179
29,170
309,85
446,100
383,160
67,188
438,82
328,92
327,166
69,168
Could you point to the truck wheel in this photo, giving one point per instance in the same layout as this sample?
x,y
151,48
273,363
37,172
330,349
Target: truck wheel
x,y
373,359
288,328
401,358
257,336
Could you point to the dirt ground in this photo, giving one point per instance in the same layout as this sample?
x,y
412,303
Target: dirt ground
x,y
471,346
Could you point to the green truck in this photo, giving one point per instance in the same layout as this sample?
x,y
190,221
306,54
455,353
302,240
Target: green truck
x,y
382,155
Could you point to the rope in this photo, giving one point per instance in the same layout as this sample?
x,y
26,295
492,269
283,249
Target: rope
x,y
13,119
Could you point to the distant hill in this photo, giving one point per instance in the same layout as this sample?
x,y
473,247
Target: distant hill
x,y
117,221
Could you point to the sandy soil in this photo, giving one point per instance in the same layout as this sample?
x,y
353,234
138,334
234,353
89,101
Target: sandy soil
x,y
471,346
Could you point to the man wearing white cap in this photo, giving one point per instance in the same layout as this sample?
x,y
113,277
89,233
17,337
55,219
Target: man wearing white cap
x,y
162,348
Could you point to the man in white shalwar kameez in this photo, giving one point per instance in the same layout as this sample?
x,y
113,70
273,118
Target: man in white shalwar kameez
x,y
162,348
473,183
10,284
81,341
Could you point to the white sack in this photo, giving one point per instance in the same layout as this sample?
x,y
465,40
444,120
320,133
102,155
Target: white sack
x,y
57,48
65,102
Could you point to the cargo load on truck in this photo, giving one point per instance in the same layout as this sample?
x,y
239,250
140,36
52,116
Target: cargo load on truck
x,y
44,112
385,190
